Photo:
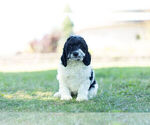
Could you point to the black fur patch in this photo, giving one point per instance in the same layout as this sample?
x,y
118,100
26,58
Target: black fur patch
x,y
92,85
91,77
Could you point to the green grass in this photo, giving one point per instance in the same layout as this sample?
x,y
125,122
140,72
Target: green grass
x,y
120,90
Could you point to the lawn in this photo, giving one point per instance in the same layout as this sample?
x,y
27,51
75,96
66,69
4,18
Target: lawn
x,y
120,90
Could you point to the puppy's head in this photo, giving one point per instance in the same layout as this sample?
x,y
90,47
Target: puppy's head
x,y
75,49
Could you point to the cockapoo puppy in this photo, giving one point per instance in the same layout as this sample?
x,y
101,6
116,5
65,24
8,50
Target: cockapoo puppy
x,y
75,75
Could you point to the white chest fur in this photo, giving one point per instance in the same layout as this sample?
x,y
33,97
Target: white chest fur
x,y
73,75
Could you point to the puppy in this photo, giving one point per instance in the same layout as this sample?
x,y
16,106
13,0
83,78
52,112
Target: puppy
x,y
75,74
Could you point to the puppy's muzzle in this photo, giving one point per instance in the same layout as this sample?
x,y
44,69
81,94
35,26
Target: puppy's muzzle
x,y
75,54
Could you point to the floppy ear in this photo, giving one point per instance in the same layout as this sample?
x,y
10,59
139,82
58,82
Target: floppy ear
x,y
64,58
87,59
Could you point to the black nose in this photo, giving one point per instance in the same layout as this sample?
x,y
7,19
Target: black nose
x,y
75,54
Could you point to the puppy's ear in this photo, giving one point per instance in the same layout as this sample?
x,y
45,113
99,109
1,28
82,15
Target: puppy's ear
x,y
87,59
64,56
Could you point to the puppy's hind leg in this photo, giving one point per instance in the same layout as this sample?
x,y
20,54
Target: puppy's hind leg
x,y
93,91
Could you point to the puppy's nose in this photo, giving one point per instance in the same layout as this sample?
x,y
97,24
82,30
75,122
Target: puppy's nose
x,y
75,54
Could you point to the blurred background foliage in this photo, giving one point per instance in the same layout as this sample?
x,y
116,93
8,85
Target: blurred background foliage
x,y
67,27
54,41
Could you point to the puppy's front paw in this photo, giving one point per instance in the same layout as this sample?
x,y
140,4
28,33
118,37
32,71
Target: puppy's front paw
x,y
66,98
82,99
57,94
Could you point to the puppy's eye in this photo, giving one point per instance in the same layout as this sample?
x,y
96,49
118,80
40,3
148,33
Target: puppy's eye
x,y
80,46
70,47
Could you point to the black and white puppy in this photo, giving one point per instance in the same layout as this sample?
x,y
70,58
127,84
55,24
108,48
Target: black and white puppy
x,y
75,74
